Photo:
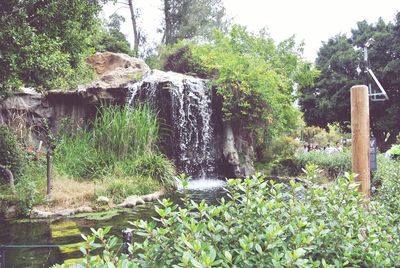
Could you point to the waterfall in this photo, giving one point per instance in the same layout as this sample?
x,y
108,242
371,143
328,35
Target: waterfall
x,y
184,102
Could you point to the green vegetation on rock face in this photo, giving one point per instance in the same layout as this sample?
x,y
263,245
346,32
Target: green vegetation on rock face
x,y
264,224
254,77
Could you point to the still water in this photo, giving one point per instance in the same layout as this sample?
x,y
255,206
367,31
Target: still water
x,y
67,231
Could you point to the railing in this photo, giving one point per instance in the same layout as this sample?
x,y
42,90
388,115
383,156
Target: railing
x,y
126,242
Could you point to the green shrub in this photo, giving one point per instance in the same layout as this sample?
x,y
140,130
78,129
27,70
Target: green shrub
x,y
122,144
264,224
31,184
333,164
387,180
395,151
76,156
155,166
125,131
10,154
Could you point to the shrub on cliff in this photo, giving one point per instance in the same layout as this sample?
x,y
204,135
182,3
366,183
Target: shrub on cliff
x,y
253,76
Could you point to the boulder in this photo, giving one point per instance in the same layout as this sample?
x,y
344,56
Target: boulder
x,y
116,69
83,210
153,196
103,200
39,214
131,201
11,212
65,212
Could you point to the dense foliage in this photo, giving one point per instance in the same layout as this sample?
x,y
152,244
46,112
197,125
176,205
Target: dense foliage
x,y
329,99
387,181
395,151
121,147
44,43
254,77
263,224
10,153
188,19
333,165
110,38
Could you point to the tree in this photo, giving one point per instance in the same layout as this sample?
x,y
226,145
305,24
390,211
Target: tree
x,y
136,33
186,19
43,43
110,38
253,76
329,99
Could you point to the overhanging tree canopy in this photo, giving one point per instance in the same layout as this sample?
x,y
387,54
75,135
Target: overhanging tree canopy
x,y
43,42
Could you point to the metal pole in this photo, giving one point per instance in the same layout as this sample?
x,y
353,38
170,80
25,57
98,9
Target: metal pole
x,y
127,240
360,138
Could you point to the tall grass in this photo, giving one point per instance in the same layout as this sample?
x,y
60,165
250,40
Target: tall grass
x,y
76,156
121,148
125,132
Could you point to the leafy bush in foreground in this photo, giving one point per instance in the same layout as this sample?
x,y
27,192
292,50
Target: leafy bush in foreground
x,y
387,178
263,224
394,152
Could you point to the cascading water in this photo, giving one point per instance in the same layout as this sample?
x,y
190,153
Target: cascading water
x,y
185,104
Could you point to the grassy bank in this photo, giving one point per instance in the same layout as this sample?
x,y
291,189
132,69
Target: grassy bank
x,y
116,156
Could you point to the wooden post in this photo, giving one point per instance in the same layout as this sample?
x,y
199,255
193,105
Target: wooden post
x,y
127,240
48,157
360,137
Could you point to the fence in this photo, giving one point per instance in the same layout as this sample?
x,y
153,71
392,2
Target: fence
x,y
127,235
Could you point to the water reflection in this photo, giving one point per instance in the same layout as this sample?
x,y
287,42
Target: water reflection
x,y
67,231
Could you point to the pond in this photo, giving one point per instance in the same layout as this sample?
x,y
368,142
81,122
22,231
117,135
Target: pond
x,y
57,240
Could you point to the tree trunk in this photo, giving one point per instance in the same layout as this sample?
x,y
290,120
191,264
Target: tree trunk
x,y
8,176
167,19
136,33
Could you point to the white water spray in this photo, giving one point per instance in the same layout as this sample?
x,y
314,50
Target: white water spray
x,y
191,117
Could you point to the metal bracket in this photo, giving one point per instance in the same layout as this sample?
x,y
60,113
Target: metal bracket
x,y
375,95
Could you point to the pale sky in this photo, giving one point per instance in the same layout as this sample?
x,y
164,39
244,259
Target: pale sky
x,y
311,21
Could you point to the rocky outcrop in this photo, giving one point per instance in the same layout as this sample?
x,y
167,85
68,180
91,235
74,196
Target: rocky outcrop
x,y
230,153
210,147
27,109
238,153
116,69
246,155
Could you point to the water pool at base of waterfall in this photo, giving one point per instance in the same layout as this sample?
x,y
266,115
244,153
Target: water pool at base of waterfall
x,y
66,231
